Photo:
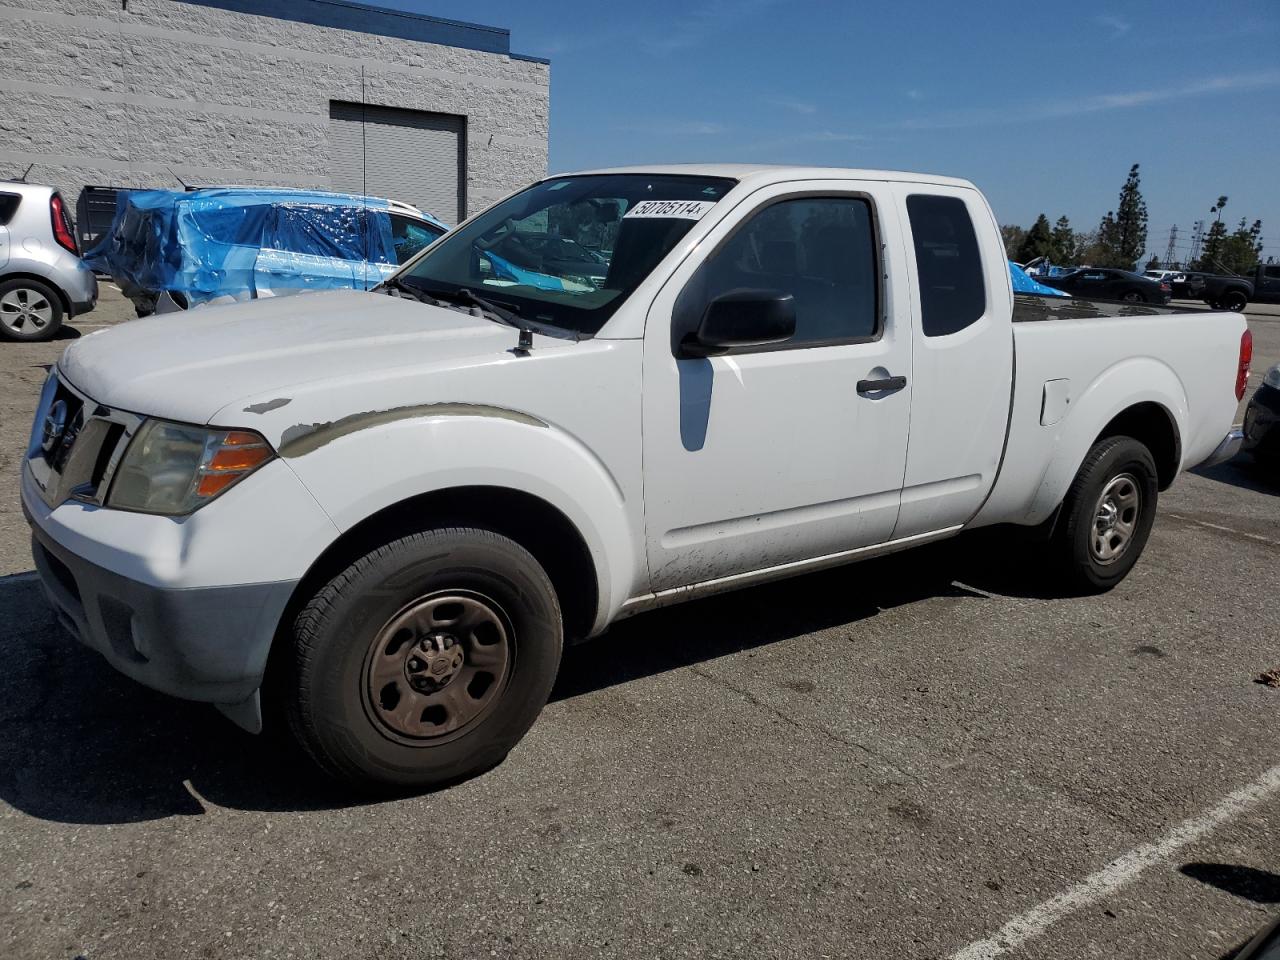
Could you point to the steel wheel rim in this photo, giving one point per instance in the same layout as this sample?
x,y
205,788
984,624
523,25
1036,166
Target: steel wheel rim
x,y
23,309
437,666
1115,518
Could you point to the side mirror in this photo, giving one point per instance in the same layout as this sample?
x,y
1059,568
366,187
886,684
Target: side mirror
x,y
742,318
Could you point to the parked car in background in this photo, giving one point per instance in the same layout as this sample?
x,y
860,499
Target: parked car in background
x,y
43,281
1222,292
171,250
1101,283
1180,285
1187,286
1262,420
409,500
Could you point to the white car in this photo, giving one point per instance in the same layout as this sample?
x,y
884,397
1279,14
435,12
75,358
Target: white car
x,y
396,506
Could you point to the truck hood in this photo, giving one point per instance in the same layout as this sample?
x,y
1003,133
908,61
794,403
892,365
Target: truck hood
x,y
189,366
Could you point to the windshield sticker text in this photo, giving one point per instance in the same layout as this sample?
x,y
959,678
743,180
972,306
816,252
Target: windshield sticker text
x,y
678,209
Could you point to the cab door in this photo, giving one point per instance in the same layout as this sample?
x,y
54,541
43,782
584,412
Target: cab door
x,y
775,454
962,364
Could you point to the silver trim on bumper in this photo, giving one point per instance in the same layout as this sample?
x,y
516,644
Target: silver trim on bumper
x,y
1227,449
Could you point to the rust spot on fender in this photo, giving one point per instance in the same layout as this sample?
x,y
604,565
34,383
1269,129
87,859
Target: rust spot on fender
x,y
303,438
268,405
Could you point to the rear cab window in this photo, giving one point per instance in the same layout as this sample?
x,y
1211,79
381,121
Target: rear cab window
x,y
953,293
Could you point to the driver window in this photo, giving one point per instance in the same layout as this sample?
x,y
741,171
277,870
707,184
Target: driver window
x,y
821,250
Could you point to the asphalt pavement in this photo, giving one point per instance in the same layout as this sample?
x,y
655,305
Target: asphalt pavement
x,y
925,756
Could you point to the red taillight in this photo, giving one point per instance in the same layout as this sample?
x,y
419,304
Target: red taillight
x,y
62,225
1166,288
1246,358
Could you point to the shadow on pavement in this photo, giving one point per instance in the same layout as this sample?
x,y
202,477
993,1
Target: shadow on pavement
x,y
1249,883
1243,472
80,743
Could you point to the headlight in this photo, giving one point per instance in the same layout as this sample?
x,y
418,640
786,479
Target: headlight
x,y
1272,379
173,469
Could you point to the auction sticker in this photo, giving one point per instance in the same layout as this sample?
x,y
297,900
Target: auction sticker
x,y
677,209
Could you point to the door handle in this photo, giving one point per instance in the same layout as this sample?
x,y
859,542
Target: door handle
x,y
886,385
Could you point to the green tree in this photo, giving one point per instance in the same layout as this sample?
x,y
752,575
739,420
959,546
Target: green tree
x,y
1038,242
1064,241
1105,251
1122,234
1211,252
1241,251
1013,235
1131,220
1153,263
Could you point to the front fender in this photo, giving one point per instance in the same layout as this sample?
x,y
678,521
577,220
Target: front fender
x,y
1117,388
358,470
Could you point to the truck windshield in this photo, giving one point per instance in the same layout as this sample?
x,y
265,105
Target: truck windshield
x,y
567,252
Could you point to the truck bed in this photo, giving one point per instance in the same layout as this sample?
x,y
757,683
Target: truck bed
x,y
1034,308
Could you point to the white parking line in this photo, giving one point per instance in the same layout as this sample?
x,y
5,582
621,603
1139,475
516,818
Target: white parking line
x,y
1217,526
1125,869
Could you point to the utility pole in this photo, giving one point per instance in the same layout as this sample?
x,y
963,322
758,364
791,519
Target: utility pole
x,y
1197,237
1171,251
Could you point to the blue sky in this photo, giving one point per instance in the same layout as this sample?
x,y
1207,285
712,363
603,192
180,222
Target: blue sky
x,y
1044,105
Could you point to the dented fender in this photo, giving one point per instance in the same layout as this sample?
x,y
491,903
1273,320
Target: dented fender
x,y
363,463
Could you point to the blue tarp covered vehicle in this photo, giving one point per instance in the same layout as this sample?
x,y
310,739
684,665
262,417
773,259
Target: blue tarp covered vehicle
x,y
239,243
1023,282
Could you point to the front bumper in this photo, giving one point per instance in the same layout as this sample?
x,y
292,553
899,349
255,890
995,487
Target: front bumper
x,y
198,643
1262,424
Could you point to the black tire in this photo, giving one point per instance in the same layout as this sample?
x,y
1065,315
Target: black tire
x,y
331,683
1077,545
1133,296
1235,300
26,328
1214,304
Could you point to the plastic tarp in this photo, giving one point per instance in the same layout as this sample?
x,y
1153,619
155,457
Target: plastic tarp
x,y
1023,283
241,243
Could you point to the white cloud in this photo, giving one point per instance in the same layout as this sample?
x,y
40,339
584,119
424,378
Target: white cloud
x,y
1115,25
1025,112
812,136
795,106
675,128
699,25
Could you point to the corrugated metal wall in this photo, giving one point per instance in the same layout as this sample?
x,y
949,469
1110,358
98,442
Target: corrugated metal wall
x,y
407,155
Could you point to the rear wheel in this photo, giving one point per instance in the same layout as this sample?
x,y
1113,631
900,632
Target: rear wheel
x,y
1107,514
426,660
1235,301
1133,296
29,310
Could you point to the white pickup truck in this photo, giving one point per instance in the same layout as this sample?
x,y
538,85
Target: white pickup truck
x,y
385,512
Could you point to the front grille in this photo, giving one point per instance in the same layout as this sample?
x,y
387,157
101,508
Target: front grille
x,y
76,444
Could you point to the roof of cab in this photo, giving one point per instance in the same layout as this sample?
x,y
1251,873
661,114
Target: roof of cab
x,y
764,173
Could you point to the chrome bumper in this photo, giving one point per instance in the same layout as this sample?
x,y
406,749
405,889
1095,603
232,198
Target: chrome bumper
x,y
1227,449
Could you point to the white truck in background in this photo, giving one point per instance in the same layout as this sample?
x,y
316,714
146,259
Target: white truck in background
x,y
387,511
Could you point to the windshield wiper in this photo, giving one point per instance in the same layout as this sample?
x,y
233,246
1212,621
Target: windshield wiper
x,y
405,289
510,317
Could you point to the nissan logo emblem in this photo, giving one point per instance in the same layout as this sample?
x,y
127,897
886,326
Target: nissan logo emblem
x,y
55,424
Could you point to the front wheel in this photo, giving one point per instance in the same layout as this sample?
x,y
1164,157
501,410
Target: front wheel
x,y
426,660
1107,515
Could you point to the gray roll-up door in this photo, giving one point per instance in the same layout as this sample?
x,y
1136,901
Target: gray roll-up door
x,y
408,155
